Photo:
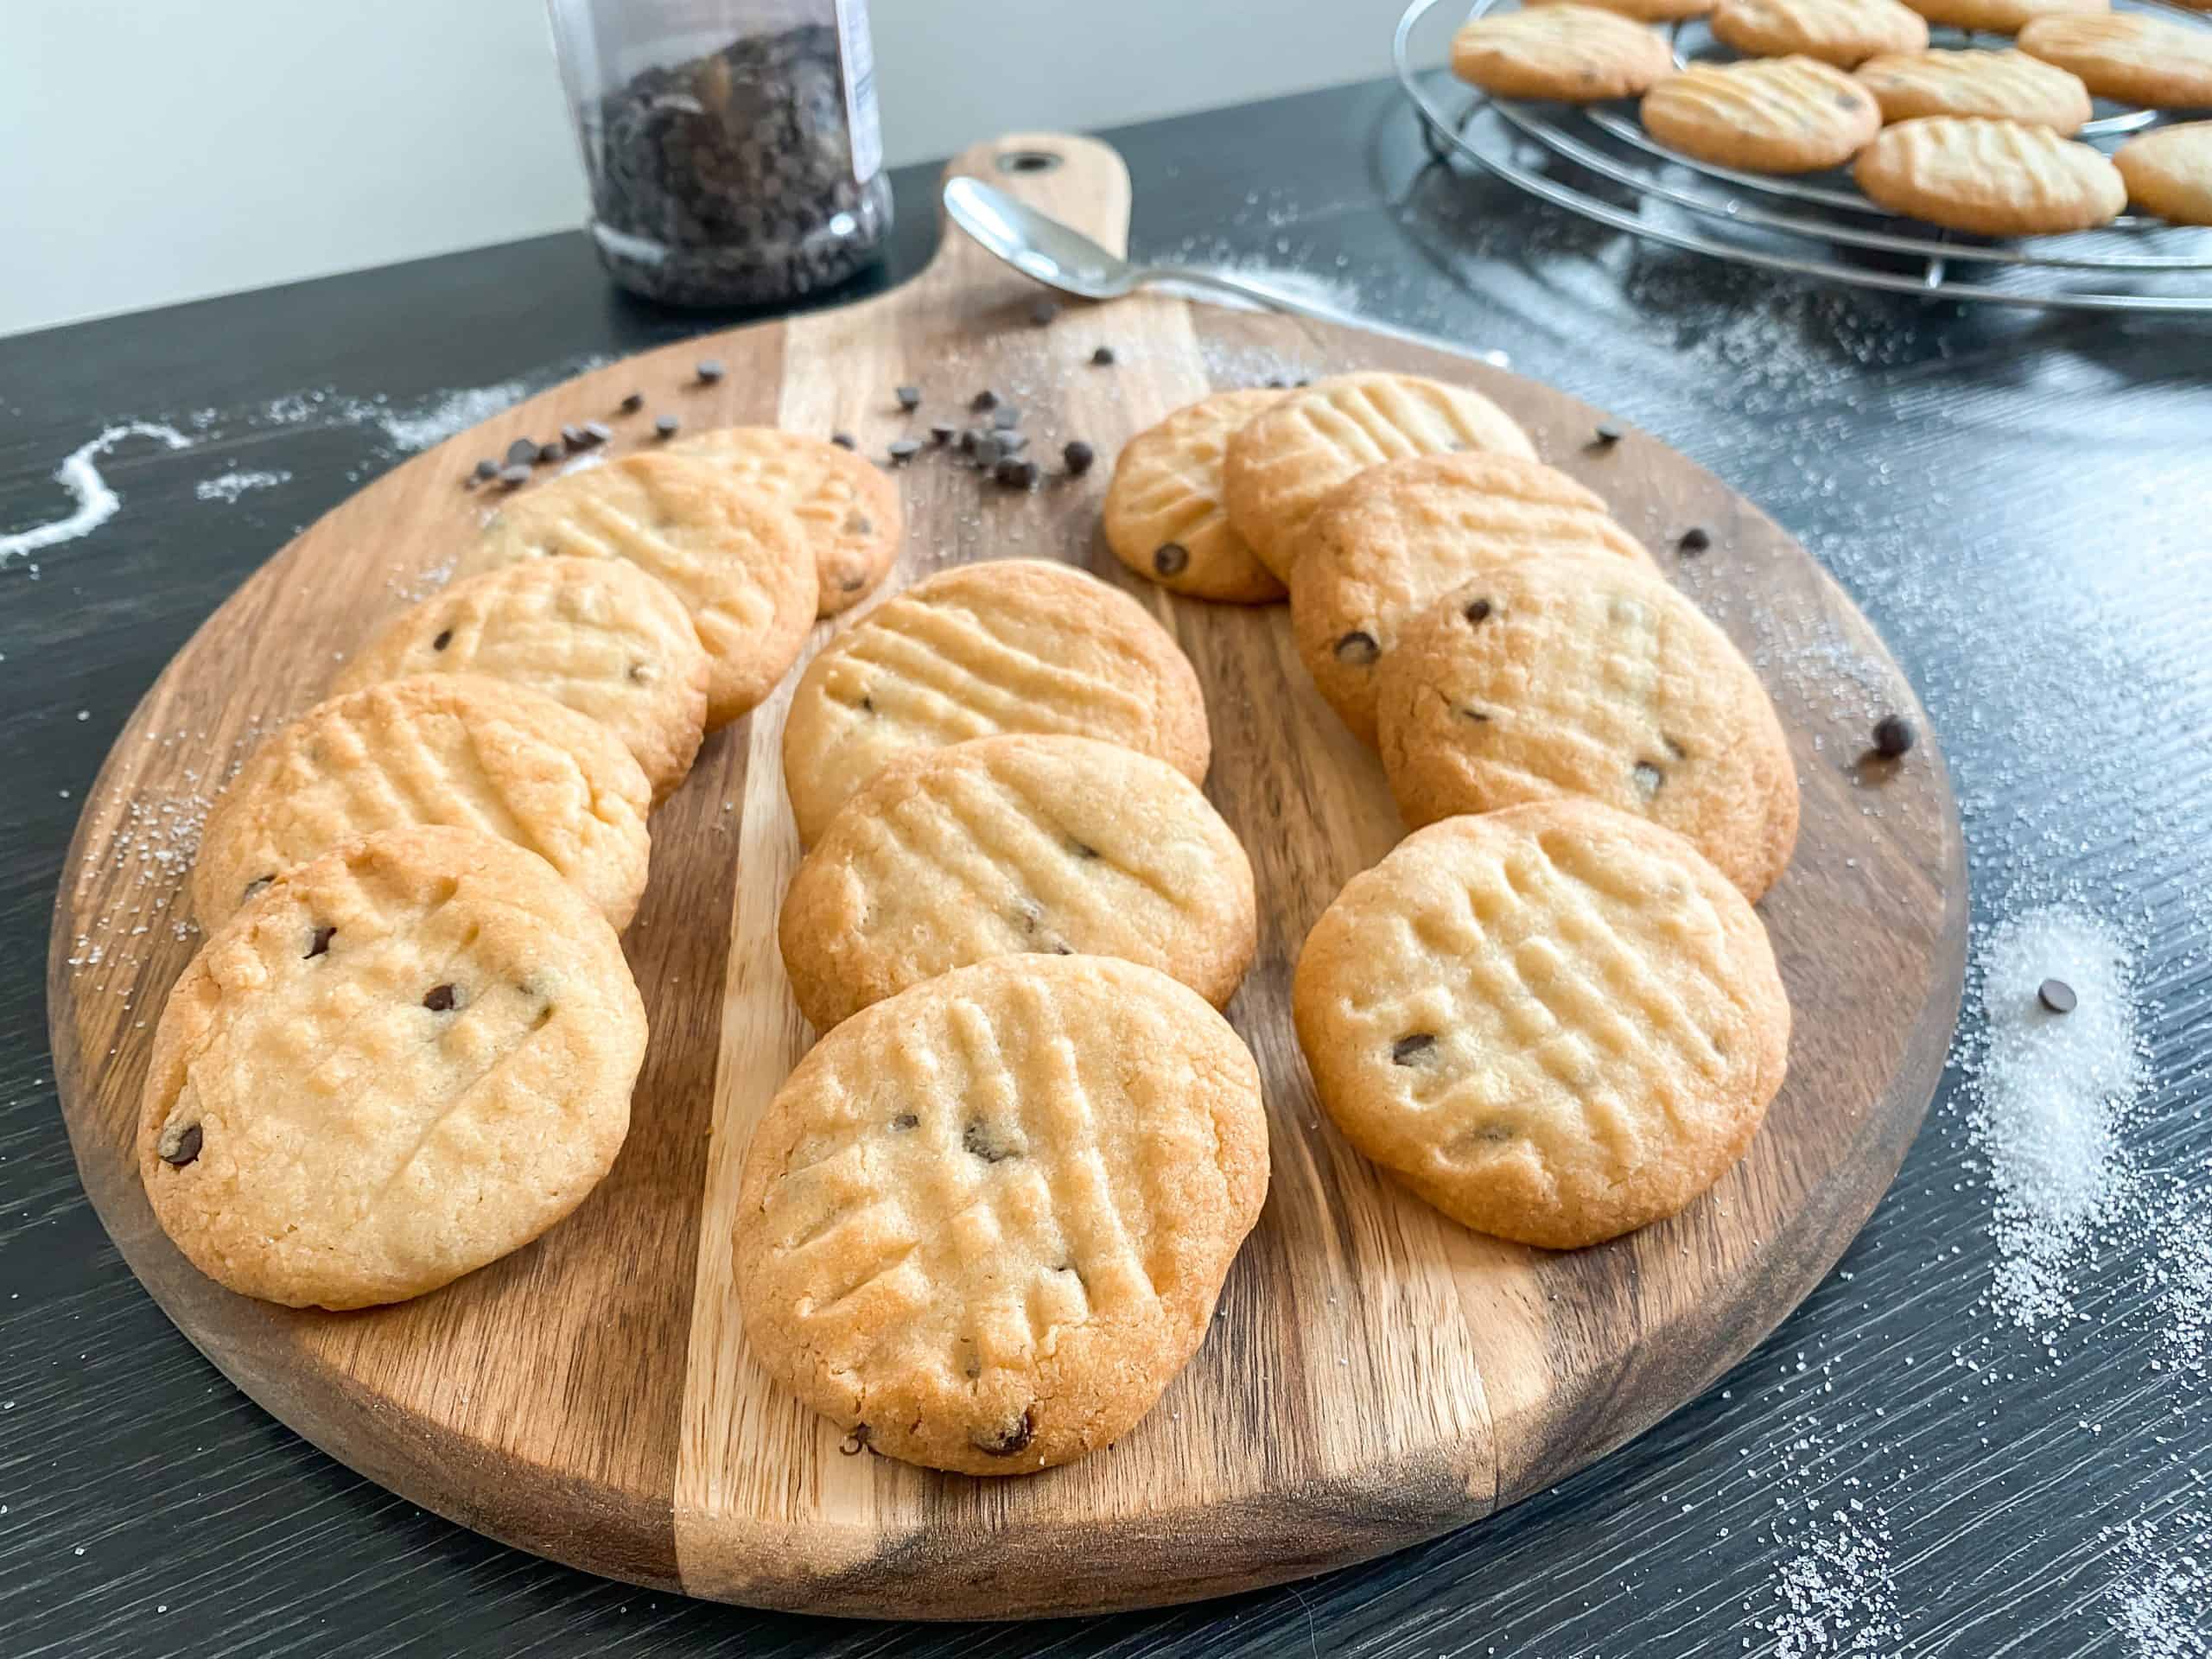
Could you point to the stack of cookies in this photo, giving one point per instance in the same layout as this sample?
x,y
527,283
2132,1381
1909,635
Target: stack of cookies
x,y
408,1044
1971,139
1552,1010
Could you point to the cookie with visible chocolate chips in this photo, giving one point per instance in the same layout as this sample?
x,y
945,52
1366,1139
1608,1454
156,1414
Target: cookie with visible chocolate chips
x,y
848,509
984,1222
1385,545
1579,54
1590,678
1164,515
1555,1023
1763,115
401,1061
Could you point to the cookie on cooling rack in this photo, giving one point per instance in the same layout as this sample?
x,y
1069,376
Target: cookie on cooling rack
x,y
1556,1023
1643,11
1840,32
1576,54
1764,114
1989,178
2004,85
1164,516
1999,16
2128,57
2168,172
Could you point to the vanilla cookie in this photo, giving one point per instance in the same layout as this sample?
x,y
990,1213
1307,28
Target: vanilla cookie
x,y
454,749
1055,845
2001,85
1279,466
1840,32
740,563
2168,172
984,1224
1555,1023
1002,645
1592,679
2128,57
1643,11
597,635
846,508
1999,16
401,1061
1384,546
1763,115
1993,178
1577,54
1164,517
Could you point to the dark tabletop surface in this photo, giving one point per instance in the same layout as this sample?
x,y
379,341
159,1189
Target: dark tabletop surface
x,y
2023,503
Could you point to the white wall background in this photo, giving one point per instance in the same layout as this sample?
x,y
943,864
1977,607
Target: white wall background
x,y
159,150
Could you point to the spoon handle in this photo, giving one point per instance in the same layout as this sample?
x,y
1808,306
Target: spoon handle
x,y
1256,293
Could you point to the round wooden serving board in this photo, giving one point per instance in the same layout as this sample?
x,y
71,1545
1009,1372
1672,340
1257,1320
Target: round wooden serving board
x,y
1378,1374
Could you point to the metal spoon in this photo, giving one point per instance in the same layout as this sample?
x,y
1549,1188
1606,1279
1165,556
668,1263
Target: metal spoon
x,y
1039,246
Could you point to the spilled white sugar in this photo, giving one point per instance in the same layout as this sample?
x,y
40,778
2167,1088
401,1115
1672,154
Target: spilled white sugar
x,y
449,412
1838,1594
229,486
2165,1586
81,475
2048,1093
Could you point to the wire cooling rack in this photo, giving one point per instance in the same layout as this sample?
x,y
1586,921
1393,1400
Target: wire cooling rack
x,y
1599,161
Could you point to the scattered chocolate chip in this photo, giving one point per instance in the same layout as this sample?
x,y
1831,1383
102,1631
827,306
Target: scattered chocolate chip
x,y
440,998
1606,435
597,432
259,884
1695,539
910,398
549,453
984,399
320,943
666,426
968,439
1647,778
1006,417
980,1142
1171,559
1893,736
1007,1441
904,449
710,369
487,469
905,1121
522,452
1411,1051
1011,443
180,1148
1026,472
1079,456
573,436
1477,612
941,432
2056,995
1043,311
856,1442
1301,383
1276,383
1358,648
1007,470
444,638
633,402
1104,357
513,475
844,440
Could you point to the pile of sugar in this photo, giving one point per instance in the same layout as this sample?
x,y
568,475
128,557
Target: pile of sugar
x,y
2164,1588
229,486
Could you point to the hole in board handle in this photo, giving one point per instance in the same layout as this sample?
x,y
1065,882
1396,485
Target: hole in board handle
x,y
1028,161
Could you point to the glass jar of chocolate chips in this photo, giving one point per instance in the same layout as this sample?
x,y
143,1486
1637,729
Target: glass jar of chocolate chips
x,y
731,145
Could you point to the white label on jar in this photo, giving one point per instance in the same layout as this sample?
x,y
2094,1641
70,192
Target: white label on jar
x,y
858,55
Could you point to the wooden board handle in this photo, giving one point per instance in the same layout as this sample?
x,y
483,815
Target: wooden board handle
x,y
1079,182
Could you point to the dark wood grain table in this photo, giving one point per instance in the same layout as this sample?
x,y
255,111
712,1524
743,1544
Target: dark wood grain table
x,y
2022,501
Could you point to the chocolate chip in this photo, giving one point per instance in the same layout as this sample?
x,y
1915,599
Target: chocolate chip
x,y
2056,995
522,452
1011,443
179,1147
910,398
549,453
641,673
856,1442
633,402
1674,748
573,436
941,432
1477,612
1171,559
597,432
1695,539
1647,778
1006,417
1276,383
487,469
1043,311
984,399
1104,357
1078,456
1060,950
1358,648
440,998
1893,736
867,705
1475,714
982,1142
666,426
320,943
859,523
844,441
1006,1442
1413,1050
710,369
444,638
904,449
1026,472
968,439
1606,435
259,884
1083,849
510,476
905,1121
